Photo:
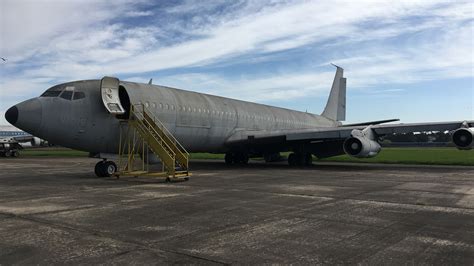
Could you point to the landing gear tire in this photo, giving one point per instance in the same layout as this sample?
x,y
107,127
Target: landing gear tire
x,y
98,169
292,159
105,168
229,158
300,159
110,168
242,158
15,154
308,159
236,158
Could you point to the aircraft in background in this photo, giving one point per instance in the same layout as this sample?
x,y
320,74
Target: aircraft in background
x,y
10,134
86,115
12,140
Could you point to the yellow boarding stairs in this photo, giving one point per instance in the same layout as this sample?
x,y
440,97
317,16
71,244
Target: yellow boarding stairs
x,y
144,133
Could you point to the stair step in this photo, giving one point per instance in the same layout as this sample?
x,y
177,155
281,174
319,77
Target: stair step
x,y
181,172
160,141
181,175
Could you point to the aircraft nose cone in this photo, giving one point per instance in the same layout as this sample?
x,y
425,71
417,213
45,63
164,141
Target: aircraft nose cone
x,y
26,115
12,115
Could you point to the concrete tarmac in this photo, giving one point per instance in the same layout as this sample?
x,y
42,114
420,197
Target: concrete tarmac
x,y
53,210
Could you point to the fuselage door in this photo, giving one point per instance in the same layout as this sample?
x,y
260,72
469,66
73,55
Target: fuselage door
x,y
109,88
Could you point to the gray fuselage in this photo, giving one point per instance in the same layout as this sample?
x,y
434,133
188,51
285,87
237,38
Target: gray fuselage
x,y
201,122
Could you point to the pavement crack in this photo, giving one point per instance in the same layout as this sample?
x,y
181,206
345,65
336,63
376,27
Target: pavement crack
x,y
112,237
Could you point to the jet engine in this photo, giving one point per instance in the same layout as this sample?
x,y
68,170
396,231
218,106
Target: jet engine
x,y
463,138
36,142
362,144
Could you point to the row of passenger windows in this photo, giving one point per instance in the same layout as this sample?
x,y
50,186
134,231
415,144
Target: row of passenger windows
x,y
12,133
217,113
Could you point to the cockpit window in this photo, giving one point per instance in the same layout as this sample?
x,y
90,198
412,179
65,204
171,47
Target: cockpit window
x,y
68,92
66,95
53,91
78,95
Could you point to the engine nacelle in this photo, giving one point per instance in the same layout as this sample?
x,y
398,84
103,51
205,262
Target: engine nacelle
x,y
361,147
362,143
36,142
463,138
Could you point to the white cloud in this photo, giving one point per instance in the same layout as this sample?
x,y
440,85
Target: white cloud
x,y
378,42
27,25
135,13
276,29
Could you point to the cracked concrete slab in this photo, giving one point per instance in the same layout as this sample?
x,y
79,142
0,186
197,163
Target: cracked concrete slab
x,y
53,210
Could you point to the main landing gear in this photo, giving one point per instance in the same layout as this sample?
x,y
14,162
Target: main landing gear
x,y
105,168
300,159
236,158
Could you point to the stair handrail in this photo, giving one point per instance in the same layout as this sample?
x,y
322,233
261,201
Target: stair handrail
x,y
168,148
162,127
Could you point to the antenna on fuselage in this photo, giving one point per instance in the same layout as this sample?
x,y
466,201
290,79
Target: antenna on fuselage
x,y
150,82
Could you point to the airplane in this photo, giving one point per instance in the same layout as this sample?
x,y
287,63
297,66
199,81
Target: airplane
x,y
86,115
10,134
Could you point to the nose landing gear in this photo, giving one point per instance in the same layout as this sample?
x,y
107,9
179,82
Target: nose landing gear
x,y
105,168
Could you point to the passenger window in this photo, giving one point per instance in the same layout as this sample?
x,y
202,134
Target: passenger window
x,y
66,95
78,95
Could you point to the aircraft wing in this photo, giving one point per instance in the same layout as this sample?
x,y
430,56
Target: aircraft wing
x,y
338,133
21,139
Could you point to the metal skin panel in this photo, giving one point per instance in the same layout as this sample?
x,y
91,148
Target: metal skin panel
x,y
344,132
204,122
82,124
336,106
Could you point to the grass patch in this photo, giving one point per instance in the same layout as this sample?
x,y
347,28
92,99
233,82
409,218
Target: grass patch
x,y
433,156
440,156
206,156
52,152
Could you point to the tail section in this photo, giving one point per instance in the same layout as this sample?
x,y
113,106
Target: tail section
x,y
336,106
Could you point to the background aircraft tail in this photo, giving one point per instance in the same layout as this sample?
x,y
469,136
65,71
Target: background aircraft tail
x,y
336,106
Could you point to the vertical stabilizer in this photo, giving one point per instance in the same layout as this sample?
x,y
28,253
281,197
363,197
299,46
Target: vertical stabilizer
x,y
336,106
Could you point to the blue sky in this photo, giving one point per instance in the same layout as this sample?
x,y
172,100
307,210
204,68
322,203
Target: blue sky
x,y
411,60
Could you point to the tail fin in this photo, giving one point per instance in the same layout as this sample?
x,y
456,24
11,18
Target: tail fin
x,y
336,106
